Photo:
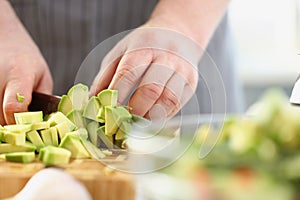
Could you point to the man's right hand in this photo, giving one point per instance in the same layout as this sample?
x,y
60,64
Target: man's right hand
x,y
22,67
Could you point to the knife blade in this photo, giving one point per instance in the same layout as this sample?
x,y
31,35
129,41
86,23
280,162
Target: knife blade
x,y
295,96
44,102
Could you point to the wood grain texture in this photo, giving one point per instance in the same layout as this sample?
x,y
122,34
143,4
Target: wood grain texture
x,y
101,181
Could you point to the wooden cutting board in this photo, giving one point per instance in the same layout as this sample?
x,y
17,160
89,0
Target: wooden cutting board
x,y
101,181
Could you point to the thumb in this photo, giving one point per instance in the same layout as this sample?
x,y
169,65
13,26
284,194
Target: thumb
x,y
23,86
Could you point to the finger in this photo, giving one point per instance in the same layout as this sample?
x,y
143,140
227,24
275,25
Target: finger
x,y
131,68
104,77
2,119
22,85
150,88
170,99
45,85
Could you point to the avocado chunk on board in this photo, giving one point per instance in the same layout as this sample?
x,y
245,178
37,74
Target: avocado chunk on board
x,y
22,157
54,156
75,146
28,117
8,148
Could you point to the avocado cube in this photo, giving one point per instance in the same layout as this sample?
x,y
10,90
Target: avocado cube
x,y
28,117
76,117
91,109
54,136
80,133
62,129
46,136
65,105
79,96
106,140
108,97
92,131
18,128
58,117
123,130
34,137
101,114
114,116
14,138
7,148
74,145
94,151
54,156
40,125
22,157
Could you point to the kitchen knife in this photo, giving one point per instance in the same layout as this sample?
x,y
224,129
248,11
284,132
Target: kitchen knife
x,y
295,96
44,102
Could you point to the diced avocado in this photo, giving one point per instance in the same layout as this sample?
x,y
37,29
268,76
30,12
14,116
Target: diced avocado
x,y
34,137
106,140
91,109
81,133
73,144
124,129
95,152
41,125
18,128
54,156
101,115
76,117
7,148
14,138
54,136
65,105
108,97
58,117
114,116
111,125
62,129
22,157
20,98
79,96
46,136
28,117
92,131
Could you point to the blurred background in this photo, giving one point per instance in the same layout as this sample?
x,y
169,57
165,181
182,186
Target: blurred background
x,y
267,44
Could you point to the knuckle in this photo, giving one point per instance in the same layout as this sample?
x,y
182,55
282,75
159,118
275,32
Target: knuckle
x,y
152,91
127,74
169,99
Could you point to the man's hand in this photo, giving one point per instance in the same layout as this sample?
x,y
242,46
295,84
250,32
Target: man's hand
x,y
22,67
160,58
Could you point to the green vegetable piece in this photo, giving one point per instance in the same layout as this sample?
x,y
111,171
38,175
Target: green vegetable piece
x,y
54,156
28,117
95,152
114,116
108,97
62,129
140,121
91,109
79,96
92,128
59,117
18,128
20,98
14,138
22,157
76,117
111,125
106,140
34,137
124,129
74,145
41,125
65,105
80,133
54,136
46,136
7,148
101,115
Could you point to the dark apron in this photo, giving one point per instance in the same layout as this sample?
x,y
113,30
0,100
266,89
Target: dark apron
x,y
67,30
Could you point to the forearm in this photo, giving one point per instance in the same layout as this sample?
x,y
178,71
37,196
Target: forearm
x,y
195,18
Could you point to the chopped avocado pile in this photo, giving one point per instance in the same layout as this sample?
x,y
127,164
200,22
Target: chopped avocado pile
x,y
79,128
